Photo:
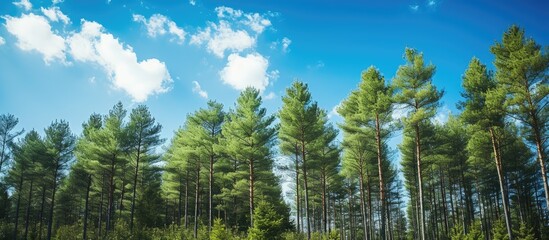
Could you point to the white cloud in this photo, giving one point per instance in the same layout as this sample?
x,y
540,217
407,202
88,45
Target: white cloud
x,y
55,14
227,12
57,1
249,71
138,79
159,24
221,37
34,33
192,2
256,22
333,112
442,115
285,44
414,8
25,4
2,41
431,3
198,89
270,96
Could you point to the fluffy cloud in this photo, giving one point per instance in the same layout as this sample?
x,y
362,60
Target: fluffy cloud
x,y
227,12
221,37
442,115
55,14
249,71
236,31
285,44
256,22
192,2
414,8
34,33
270,96
139,79
159,24
25,4
2,41
198,89
57,1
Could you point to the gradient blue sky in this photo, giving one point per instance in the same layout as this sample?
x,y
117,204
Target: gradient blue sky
x,y
68,59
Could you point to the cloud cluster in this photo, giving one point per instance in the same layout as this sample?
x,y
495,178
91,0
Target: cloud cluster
x,y
55,14
2,41
221,37
139,79
25,4
198,89
34,33
159,24
248,71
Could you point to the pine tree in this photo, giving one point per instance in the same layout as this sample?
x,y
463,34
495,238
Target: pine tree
x,y
268,223
415,91
143,135
248,136
300,124
372,109
483,107
521,69
8,123
59,142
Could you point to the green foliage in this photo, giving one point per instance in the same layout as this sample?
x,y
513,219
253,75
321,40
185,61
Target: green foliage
x,y
69,232
499,231
457,232
524,232
475,231
268,223
219,232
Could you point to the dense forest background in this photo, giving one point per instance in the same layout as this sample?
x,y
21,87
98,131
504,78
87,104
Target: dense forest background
x,y
479,175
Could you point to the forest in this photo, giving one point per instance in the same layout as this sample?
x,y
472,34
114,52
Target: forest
x,y
479,175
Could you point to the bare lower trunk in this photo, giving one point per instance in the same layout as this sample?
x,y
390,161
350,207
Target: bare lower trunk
x,y
17,208
251,165
210,182
298,200
363,206
420,184
28,210
306,189
134,190
50,222
324,208
380,176
197,198
42,212
85,230
504,199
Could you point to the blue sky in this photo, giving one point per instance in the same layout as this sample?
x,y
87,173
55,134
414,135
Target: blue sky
x,y
68,59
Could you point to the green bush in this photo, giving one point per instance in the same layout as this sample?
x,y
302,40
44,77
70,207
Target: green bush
x,y
69,232
6,230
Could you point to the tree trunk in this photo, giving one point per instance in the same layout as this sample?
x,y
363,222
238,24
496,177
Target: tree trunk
x,y
324,208
298,200
186,198
541,161
380,176
251,165
17,207
363,204
444,207
210,183
50,222
85,230
306,188
504,199
42,212
420,184
110,207
28,210
196,199
134,190
179,207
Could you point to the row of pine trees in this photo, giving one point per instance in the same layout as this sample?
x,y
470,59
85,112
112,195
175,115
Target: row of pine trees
x,y
479,175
